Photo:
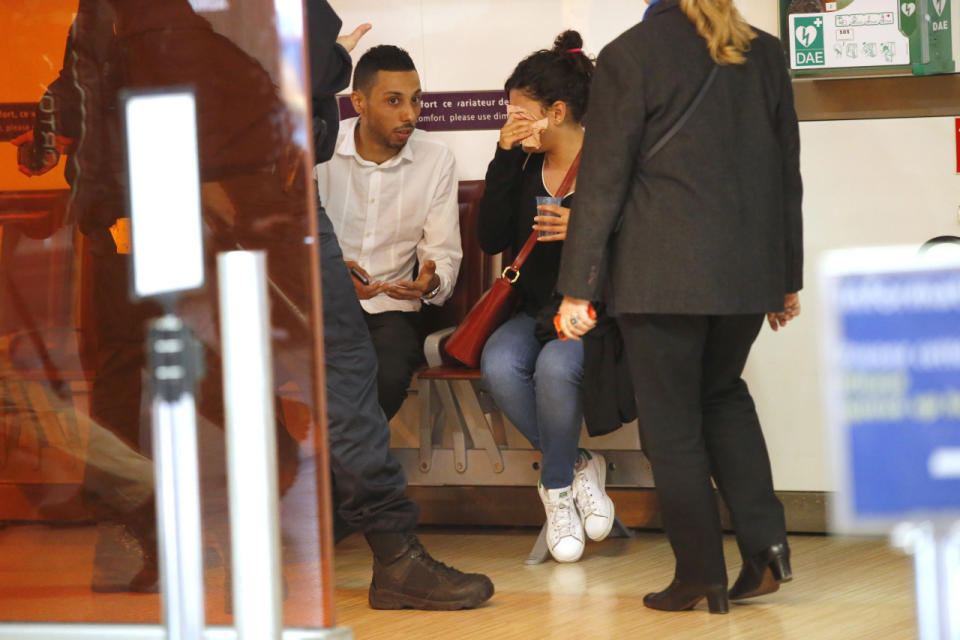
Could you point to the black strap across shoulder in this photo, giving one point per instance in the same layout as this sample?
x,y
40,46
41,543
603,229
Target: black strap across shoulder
x,y
686,115
676,127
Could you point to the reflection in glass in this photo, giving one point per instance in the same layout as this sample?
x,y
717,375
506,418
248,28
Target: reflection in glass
x,y
75,470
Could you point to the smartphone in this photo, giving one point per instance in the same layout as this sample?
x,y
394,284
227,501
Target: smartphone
x,y
364,280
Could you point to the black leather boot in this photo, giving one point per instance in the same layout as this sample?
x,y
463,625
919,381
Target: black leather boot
x,y
406,577
763,573
680,597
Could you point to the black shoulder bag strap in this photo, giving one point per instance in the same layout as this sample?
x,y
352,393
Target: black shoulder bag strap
x,y
682,120
661,143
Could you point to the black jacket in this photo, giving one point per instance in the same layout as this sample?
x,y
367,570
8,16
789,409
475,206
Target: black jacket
x,y
607,389
507,209
141,44
711,224
330,67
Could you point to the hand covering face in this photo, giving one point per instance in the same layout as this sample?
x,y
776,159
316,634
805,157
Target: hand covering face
x,y
531,142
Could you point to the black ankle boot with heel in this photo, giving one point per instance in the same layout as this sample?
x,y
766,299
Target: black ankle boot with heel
x,y
681,597
763,572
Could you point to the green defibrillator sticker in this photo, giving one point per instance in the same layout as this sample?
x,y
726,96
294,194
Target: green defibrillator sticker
x,y
908,17
823,35
808,41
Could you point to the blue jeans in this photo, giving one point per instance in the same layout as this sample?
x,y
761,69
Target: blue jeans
x,y
538,388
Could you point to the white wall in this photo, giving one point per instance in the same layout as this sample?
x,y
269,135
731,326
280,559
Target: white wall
x,y
475,44
868,182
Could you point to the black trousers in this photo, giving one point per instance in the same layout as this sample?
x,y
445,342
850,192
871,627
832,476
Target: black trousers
x,y
369,484
397,340
697,421
120,327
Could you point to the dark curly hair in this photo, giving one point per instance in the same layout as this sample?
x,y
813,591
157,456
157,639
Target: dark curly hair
x,y
556,74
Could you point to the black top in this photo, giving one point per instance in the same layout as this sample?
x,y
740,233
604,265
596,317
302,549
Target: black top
x,y
712,223
507,209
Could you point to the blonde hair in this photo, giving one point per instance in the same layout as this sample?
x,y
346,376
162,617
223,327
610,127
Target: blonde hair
x,y
727,34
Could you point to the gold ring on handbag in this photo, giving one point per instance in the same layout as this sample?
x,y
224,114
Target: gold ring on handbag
x,y
516,274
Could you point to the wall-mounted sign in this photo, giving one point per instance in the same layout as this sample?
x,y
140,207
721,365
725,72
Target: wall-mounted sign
x,y
892,353
454,110
16,118
864,33
855,34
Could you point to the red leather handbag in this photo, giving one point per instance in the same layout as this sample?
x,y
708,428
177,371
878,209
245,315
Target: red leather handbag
x,y
466,342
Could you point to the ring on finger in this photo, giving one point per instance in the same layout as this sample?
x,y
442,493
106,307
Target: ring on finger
x,y
573,321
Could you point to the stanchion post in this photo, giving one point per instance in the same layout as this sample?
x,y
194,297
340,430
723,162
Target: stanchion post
x,y
251,445
936,562
175,367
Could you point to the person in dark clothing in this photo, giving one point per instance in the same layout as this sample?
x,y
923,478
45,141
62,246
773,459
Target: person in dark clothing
x,y
711,240
77,118
538,385
254,196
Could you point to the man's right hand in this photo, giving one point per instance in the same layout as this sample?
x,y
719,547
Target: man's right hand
x,y
365,291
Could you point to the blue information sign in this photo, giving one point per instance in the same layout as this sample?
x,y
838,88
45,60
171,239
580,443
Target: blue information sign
x,y
892,322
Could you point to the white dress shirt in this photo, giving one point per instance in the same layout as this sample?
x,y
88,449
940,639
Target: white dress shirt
x,y
387,216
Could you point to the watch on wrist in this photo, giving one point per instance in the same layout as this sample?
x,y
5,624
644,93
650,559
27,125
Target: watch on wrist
x,y
430,294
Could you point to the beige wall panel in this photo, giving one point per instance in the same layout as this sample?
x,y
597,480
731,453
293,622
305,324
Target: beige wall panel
x,y
867,183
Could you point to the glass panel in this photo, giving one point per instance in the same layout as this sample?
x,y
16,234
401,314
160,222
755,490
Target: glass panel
x,y
76,480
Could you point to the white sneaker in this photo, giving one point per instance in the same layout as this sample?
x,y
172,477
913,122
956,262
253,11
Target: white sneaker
x,y
564,527
593,503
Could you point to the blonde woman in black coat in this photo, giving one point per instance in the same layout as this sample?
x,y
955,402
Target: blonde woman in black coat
x,y
690,249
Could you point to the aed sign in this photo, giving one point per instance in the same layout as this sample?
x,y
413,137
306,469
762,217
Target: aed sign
x,y
940,17
808,41
853,33
891,352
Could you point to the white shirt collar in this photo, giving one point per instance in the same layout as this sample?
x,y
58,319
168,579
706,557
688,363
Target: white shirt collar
x,y
348,146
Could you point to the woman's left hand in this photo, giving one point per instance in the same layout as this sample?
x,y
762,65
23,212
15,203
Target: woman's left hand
x,y
791,309
555,224
575,317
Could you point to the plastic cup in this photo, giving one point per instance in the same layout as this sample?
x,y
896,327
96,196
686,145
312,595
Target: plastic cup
x,y
547,200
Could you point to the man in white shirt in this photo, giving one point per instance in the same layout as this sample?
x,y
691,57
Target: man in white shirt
x,y
391,193
369,486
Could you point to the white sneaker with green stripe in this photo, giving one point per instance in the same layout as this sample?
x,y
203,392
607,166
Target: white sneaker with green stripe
x,y
593,503
564,528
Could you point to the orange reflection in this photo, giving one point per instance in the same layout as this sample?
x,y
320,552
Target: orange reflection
x,y
76,491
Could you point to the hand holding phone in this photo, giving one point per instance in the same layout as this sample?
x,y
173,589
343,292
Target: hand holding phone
x,y
360,275
364,285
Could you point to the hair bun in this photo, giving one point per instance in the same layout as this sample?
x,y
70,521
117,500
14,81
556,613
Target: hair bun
x,y
567,40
